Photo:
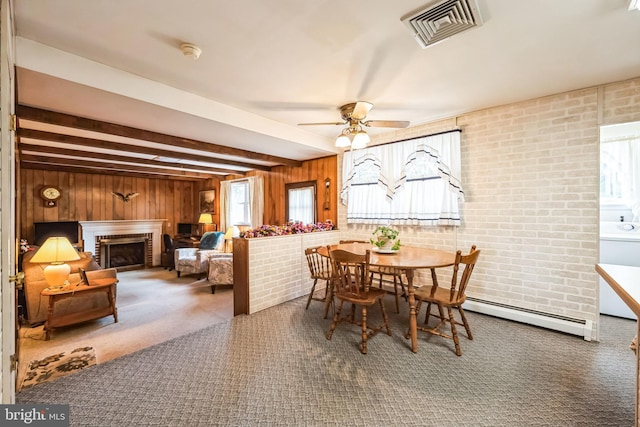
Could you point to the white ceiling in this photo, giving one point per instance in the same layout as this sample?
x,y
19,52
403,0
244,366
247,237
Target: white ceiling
x,y
268,65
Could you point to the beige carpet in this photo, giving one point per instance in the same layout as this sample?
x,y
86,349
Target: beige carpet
x,y
153,306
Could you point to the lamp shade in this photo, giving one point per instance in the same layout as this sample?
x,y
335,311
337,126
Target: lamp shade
x,y
56,251
232,232
205,218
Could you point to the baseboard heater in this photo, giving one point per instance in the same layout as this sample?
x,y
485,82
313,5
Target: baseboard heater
x,y
532,317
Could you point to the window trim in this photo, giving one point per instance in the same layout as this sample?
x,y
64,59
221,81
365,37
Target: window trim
x,y
247,207
297,185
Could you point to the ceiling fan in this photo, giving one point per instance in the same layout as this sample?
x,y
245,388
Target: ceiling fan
x,y
354,115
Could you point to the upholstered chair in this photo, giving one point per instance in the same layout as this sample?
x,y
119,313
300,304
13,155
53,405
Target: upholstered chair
x,y
196,260
220,270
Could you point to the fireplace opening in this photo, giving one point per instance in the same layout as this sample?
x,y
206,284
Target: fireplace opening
x,y
126,253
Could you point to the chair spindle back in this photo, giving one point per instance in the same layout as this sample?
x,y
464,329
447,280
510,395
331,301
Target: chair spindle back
x,y
319,266
350,272
469,261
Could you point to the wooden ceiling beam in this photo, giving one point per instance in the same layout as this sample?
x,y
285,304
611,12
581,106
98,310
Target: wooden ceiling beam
x,y
76,122
75,169
118,146
118,167
79,153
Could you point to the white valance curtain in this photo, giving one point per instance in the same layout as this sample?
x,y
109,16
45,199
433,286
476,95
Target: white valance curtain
x,y
411,182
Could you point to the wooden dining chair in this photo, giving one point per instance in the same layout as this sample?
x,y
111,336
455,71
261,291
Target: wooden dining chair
x,y
381,272
352,284
320,269
392,273
449,298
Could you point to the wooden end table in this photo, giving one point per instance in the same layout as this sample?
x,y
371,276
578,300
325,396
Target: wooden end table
x,y
106,285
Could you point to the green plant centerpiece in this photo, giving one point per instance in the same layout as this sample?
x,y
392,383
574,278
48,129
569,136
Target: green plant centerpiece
x,y
385,238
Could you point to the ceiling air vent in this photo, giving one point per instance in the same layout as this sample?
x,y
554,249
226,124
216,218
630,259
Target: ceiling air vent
x,y
441,20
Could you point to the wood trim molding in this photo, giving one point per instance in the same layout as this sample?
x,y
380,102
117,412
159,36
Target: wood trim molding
x,y
240,276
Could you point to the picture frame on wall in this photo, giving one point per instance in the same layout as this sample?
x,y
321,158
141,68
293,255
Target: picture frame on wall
x,y
207,201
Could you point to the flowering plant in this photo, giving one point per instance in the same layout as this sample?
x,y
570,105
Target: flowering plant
x,y
292,227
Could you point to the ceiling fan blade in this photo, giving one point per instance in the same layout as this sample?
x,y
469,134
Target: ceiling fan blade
x,y
321,124
386,123
361,109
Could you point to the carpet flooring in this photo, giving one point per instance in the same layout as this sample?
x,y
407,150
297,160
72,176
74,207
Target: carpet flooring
x,y
277,368
154,306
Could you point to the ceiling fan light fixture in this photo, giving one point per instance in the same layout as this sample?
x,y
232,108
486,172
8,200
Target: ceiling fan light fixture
x,y
343,141
360,140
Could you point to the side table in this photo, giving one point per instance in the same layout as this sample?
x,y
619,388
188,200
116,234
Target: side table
x,y
54,320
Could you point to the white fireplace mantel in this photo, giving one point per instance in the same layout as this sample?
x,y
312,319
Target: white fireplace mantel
x,y
91,229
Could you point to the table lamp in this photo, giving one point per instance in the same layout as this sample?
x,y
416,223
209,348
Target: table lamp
x,y
205,219
231,232
56,251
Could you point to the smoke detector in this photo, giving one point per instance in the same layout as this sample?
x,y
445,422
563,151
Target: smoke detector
x,y
190,50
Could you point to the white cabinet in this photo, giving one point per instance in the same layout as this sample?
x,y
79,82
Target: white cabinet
x,y
619,252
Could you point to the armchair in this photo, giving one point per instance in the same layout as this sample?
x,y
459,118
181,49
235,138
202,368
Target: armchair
x,y
220,270
196,260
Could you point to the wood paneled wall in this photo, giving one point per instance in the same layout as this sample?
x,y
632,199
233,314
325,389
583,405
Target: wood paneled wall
x,y
311,170
87,197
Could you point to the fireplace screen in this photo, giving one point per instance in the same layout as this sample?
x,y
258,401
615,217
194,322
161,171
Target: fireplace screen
x,y
123,253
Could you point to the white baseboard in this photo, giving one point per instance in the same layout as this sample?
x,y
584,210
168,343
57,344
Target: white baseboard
x,y
578,327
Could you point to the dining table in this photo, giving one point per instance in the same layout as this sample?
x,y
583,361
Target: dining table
x,y
408,259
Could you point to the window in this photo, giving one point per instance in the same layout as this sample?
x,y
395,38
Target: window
x,y
620,170
412,182
300,202
242,202
239,206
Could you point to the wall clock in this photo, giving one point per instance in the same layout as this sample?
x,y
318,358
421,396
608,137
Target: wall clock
x,y
50,194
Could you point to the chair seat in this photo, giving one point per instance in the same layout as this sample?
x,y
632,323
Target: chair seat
x,y
371,298
441,295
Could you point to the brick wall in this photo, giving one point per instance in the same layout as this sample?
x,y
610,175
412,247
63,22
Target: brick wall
x,y
278,270
531,181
